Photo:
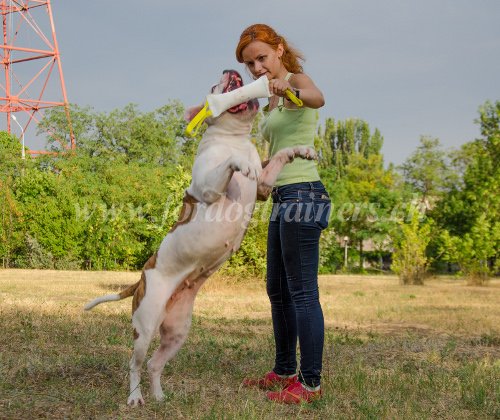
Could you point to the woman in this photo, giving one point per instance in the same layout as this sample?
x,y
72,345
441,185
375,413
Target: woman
x,y
301,209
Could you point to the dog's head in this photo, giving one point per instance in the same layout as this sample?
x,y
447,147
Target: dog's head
x,y
229,81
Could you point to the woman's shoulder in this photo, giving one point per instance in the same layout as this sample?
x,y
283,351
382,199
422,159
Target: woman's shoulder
x,y
300,79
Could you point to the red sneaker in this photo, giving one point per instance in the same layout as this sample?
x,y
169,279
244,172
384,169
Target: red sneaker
x,y
270,381
294,394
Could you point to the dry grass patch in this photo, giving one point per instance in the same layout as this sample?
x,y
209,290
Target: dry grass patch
x,y
391,351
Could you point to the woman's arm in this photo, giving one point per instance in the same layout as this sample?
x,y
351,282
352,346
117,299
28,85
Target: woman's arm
x,y
303,87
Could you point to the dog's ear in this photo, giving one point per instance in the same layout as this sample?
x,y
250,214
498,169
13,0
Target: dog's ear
x,y
191,112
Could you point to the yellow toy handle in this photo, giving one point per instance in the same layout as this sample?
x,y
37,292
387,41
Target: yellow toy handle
x,y
293,98
198,120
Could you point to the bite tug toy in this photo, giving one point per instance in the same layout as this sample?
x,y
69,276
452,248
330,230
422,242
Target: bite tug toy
x,y
216,104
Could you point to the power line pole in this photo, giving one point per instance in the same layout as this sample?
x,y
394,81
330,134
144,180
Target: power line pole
x,y
33,76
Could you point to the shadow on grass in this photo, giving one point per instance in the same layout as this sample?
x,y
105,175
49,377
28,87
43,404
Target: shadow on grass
x,y
114,287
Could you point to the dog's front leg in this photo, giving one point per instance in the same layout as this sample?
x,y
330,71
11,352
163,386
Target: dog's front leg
x,y
211,180
273,167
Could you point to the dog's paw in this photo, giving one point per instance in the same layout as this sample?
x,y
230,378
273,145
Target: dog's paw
x,y
305,152
246,168
288,154
135,399
263,191
159,395
155,384
254,172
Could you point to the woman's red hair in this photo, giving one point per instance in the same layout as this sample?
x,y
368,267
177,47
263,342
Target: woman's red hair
x,y
260,32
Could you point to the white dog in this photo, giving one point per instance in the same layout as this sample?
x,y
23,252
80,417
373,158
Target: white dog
x,y
227,177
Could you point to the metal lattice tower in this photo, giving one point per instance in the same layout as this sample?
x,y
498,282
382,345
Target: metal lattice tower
x,y
33,78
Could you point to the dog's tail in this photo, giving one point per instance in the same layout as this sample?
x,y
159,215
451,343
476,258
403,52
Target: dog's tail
x,y
129,291
137,290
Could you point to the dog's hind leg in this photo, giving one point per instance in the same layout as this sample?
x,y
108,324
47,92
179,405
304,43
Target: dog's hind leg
x,y
173,332
146,319
141,345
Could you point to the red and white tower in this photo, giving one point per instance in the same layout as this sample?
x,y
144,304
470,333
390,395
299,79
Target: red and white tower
x,y
33,78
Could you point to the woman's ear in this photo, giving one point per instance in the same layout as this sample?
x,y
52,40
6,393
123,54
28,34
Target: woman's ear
x,y
280,50
191,112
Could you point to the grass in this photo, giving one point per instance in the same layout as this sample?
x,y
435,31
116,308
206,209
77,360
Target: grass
x,y
391,351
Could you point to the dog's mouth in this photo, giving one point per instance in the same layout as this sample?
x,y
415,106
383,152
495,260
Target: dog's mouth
x,y
232,80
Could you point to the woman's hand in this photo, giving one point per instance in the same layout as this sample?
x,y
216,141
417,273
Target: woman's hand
x,y
279,87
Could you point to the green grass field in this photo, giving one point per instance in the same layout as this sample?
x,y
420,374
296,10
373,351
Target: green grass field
x,y
391,351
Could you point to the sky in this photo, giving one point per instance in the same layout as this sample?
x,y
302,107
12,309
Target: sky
x,y
408,68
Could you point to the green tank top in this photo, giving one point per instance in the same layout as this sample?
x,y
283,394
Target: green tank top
x,y
283,127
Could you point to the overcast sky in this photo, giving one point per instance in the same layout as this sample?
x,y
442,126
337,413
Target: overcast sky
x,y
408,68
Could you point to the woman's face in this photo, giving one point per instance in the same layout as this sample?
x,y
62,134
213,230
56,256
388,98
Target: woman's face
x,y
261,59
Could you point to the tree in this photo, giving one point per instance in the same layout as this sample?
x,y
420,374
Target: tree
x,y
154,137
426,170
323,144
468,215
409,259
362,191
9,219
11,168
367,201
473,251
106,205
340,140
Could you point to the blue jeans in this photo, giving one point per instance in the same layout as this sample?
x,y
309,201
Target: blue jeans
x,y
300,212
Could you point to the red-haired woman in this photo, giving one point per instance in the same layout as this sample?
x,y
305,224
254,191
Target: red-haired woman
x,y
301,208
